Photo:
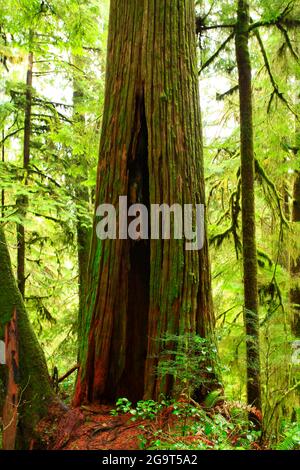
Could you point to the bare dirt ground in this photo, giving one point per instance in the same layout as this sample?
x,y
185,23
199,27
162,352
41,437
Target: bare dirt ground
x,y
89,428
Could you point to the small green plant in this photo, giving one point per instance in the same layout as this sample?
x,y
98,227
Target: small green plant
x,y
192,361
195,427
123,405
147,409
290,437
198,429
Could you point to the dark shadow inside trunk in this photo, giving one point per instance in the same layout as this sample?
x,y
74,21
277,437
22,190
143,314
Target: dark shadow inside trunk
x,y
132,383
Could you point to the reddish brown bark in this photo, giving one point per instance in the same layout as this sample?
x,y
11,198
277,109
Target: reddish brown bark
x,y
151,148
295,264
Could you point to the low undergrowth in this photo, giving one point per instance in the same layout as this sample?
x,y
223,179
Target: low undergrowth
x,y
186,425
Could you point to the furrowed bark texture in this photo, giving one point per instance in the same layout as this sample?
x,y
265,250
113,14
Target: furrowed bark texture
x,y
248,207
83,247
295,263
3,160
151,133
33,379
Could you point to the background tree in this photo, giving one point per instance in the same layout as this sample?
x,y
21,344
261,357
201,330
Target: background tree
x,y
248,206
23,200
272,50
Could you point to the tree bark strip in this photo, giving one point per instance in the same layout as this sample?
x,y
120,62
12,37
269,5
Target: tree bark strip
x,y
295,263
3,160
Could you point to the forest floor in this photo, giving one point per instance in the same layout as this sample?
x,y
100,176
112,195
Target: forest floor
x,y
89,428
95,428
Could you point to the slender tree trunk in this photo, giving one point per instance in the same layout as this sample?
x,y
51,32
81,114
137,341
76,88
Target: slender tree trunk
x,y
248,207
23,200
32,377
141,290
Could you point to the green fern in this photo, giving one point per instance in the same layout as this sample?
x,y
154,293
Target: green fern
x,y
287,444
213,398
291,439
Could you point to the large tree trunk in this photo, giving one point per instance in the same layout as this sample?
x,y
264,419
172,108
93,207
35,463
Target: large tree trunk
x,y
139,291
248,207
32,375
